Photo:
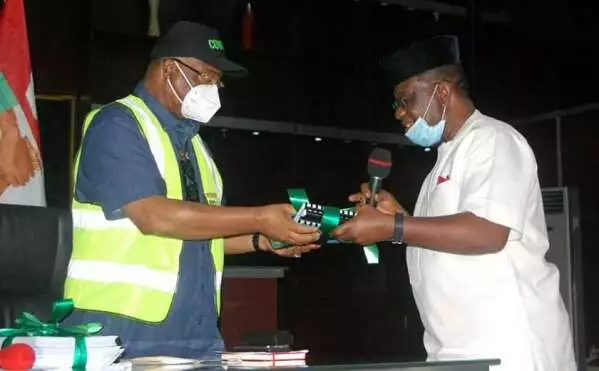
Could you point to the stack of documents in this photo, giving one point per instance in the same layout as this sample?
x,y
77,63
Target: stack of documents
x,y
58,352
265,359
165,363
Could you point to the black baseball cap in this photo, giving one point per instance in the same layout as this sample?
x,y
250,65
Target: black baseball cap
x,y
195,40
420,57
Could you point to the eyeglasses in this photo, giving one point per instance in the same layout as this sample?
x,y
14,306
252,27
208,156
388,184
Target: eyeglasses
x,y
407,100
188,179
403,102
205,78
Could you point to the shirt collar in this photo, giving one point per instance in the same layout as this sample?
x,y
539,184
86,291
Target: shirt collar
x,y
463,130
170,123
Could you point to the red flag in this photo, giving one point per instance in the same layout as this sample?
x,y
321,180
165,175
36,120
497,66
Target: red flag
x,y
21,177
247,29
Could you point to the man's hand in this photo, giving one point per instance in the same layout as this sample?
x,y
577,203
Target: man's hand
x,y
386,203
288,252
245,243
276,222
368,226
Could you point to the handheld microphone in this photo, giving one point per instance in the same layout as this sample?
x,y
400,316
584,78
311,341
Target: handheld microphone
x,y
379,167
17,357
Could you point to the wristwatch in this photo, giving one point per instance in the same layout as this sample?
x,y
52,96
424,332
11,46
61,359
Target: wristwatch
x,y
398,231
256,242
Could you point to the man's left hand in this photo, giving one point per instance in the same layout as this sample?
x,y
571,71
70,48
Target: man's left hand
x,y
367,227
287,252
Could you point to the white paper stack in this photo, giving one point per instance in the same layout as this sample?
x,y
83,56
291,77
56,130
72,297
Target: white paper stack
x,y
164,363
295,358
52,353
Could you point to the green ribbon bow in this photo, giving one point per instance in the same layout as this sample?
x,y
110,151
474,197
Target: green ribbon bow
x,y
29,325
330,220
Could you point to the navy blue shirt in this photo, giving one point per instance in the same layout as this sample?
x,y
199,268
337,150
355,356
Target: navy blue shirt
x,y
116,168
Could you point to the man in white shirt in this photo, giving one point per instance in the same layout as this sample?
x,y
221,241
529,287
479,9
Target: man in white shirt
x,y
477,240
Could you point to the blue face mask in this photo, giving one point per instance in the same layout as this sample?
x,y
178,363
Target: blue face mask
x,y
423,134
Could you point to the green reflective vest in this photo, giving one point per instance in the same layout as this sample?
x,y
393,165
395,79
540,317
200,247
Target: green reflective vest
x,y
115,268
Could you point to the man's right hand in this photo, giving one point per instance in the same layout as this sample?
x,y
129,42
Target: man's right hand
x,y
276,222
386,203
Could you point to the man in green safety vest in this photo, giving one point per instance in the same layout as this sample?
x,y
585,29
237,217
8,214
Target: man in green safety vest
x,y
150,231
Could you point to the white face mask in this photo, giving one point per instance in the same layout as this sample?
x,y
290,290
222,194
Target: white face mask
x,y
201,101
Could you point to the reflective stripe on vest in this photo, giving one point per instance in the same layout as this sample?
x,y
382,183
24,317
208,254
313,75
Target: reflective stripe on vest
x,y
136,274
114,267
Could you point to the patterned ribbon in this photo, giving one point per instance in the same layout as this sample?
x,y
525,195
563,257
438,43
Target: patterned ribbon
x,y
29,325
330,220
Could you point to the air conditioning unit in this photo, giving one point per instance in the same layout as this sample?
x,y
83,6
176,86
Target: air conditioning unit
x,y
562,214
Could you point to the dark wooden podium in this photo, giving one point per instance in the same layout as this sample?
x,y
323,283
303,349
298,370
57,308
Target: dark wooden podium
x,y
249,301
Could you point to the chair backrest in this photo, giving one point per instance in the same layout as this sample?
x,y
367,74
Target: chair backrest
x,y
35,247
